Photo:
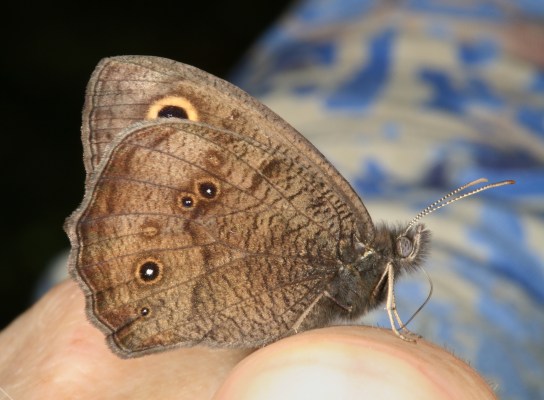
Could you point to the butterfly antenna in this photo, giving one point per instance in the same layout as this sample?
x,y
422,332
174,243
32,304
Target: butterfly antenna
x,y
424,303
442,202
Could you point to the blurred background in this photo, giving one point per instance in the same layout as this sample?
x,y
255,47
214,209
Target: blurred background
x,y
48,55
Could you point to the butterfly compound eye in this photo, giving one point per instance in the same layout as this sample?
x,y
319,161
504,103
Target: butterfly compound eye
x,y
404,246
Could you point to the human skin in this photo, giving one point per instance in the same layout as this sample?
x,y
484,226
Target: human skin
x,y
52,352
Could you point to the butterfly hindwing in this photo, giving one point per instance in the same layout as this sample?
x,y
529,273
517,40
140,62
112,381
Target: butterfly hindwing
x,y
193,234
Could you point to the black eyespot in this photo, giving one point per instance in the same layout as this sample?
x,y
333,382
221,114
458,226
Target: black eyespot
x,y
207,190
149,271
144,311
187,202
404,246
173,112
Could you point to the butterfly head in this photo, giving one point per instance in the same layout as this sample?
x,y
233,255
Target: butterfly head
x,y
398,248
404,248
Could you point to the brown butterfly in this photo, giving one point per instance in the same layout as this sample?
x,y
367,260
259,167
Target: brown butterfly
x,y
207,219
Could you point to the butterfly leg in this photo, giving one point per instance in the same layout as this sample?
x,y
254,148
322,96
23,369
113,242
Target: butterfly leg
x,y
329,296
326,294
391,308
303,316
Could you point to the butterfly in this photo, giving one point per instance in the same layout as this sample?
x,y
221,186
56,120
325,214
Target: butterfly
x,y
207,219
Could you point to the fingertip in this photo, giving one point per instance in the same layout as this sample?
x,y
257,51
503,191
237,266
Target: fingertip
x,y
352,362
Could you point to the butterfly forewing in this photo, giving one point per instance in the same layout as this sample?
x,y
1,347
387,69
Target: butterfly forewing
x,y
124,90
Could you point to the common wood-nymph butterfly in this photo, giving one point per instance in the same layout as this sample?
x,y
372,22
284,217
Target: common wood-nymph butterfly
x,y
207,219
